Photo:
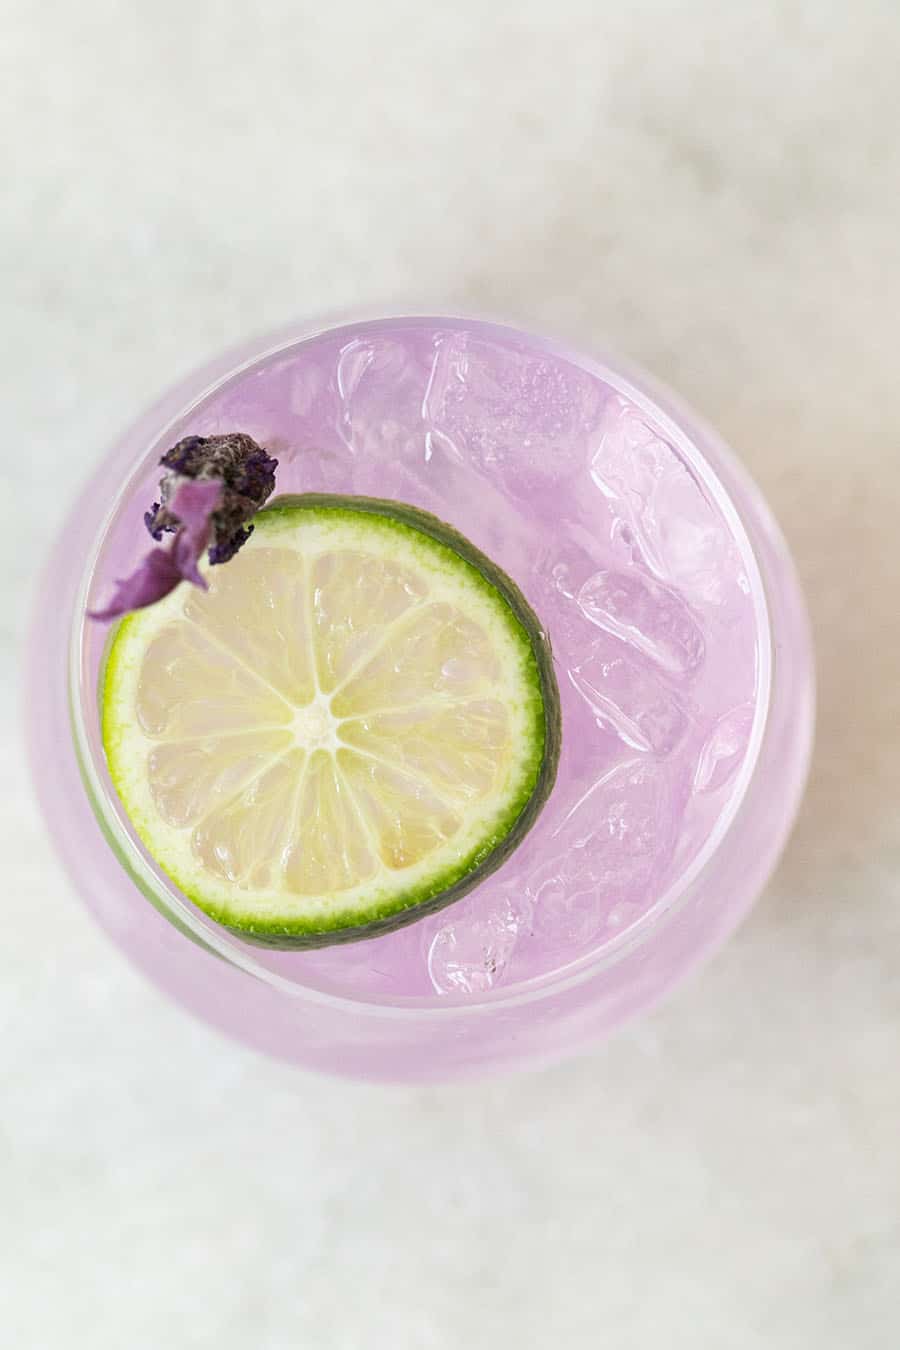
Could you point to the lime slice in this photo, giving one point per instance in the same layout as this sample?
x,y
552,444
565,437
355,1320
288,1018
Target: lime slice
x,y
355,724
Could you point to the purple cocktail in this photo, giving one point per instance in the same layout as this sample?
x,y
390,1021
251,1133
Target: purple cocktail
x,y
666,593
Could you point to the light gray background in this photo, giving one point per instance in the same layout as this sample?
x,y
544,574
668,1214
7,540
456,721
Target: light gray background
x,y
711,187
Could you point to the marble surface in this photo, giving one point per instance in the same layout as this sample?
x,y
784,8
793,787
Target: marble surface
x,y
713,190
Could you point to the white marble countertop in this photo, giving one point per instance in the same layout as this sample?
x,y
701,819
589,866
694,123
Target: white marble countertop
x,y
713,190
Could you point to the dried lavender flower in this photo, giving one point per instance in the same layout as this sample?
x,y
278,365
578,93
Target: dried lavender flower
x,y
247,475
212,487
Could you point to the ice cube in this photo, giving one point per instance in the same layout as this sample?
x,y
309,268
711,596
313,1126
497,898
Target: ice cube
x,y
279,403
662,508
645,614
628,696
567,914
471,949
528,418
724,750
308,385
608,851
380,385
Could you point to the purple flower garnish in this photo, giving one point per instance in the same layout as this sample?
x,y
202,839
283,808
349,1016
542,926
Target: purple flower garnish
x,y
212,486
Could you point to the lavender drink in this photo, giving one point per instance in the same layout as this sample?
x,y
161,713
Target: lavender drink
x,y
663,588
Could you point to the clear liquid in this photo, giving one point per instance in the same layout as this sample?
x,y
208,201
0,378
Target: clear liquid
x,y
634,571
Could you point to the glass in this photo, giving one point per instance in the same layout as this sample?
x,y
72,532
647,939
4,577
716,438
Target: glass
x,y
683,659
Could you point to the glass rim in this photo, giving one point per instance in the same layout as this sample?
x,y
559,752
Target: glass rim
x,y
666,413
